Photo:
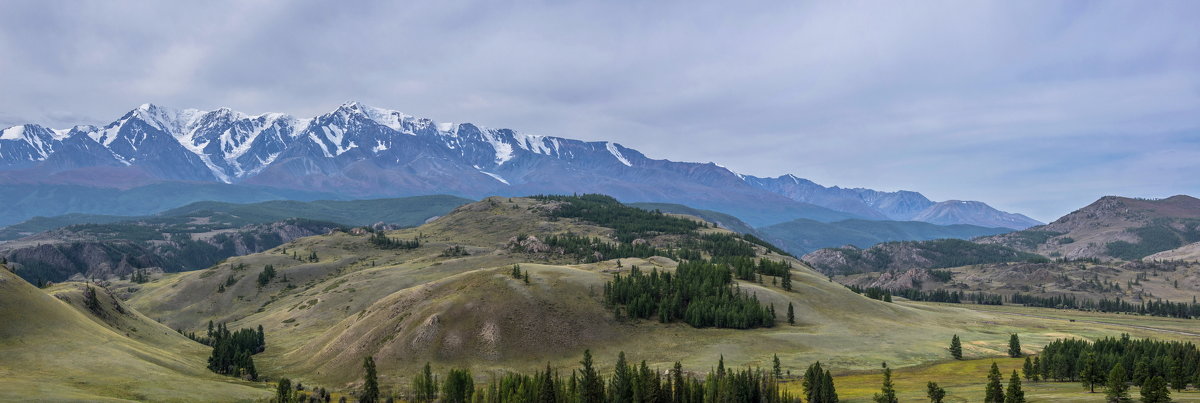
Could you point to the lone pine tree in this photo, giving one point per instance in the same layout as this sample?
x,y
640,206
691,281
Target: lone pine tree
x,y
935,393
956,347
1014,346
887,393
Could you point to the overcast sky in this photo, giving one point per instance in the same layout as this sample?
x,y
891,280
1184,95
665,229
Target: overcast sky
x,y
1032,106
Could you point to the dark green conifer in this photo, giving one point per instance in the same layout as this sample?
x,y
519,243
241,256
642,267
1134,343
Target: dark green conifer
x,y
956,347
370,393
1115,389
995,388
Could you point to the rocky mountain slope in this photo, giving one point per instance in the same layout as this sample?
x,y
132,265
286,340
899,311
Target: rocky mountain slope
x,y
360,151
1113,227
903,256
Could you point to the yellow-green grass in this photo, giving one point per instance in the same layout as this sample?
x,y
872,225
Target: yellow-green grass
x,y
51,350
1156,326
964,381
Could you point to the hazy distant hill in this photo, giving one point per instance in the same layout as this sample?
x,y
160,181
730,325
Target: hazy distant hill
x,y
803,236
198,235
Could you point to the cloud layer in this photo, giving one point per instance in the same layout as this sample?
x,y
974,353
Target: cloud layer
x,y
1035,107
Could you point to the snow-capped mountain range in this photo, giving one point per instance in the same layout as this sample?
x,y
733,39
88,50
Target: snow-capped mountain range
x,y
361,151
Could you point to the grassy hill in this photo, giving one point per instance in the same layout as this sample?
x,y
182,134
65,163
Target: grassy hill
x,y
407,306
804,236
55,348
406,211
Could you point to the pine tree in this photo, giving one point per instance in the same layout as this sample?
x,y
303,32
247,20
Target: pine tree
x,y
791,314
887,394
936,393
1014,394
1089,371
425,387
548,391
828,392
283,391
370,392
622,381
458,386
1037,368
1116,390
1155,391
90,301
1027,369
995,389
1175,375
956,347
592,384
1141,371
812,381
787,280
778,368
1014,346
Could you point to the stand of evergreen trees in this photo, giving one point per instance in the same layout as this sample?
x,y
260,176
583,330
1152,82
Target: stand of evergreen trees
x,y
265,276
702,294
629,382
629,223
232,350
382,241
1177,363
591,250
1153,308
878,293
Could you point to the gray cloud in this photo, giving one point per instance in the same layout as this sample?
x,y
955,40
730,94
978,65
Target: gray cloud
x,y
1037,107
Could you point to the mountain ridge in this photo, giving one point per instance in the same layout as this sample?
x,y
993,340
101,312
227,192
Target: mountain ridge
x,y
363,151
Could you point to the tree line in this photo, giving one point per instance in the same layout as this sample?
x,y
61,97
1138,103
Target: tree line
x,y
628,223
629,382
382,241
1162,308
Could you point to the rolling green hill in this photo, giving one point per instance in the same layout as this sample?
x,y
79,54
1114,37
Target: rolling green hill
x,y
57,349
407,306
